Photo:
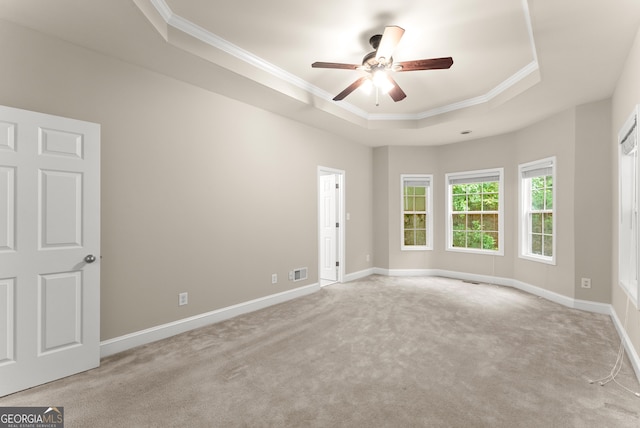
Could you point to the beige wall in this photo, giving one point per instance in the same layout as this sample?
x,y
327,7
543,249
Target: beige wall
x,y
593,200
200,193
625,97
381,207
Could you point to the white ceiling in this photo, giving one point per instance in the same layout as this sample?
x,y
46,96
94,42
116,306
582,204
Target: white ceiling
x,y
515,61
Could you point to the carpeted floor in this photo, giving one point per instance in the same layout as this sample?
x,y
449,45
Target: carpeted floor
x,y
379,352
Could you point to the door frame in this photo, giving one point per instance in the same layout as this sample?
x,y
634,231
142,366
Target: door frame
x,y
341,216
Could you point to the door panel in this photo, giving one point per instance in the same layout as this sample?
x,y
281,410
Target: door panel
x,y
7,208
328,230
7,326
60,329
49,221
60,209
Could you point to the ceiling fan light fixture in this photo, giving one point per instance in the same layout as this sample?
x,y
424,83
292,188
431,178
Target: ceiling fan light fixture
x,y
367,86
381,80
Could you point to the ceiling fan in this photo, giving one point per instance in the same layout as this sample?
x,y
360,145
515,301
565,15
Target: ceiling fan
x,y
379,63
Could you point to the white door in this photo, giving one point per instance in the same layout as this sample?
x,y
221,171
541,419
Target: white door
x,y
328,229
49,248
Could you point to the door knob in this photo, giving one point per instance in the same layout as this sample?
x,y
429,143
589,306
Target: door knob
x,y
90,258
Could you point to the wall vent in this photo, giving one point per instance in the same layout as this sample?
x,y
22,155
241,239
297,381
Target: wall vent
x,y
299,274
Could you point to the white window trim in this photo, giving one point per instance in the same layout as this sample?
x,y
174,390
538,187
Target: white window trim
x,y
417,177
471,175
628,145
523,219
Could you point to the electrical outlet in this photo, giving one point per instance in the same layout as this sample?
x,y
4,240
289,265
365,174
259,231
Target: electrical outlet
x,y
586,283
183,299
274,278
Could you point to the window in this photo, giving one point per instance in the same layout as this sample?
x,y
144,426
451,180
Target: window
x,y
537,205
417,218
628,234
475,214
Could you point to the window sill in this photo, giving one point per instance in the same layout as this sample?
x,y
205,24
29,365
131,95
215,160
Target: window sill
x,y
416,248
475,251
545,260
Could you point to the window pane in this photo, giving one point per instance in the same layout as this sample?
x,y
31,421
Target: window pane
x,y
536,223
408,203
421,237
420,203
536,244
459,203
409,190
548,245
490,202
549,199
537,199
490,241
548,223
474,222
459,222
491,187
459,239
420,191
475,202
474,240
537,183
408,237
490,222
408,221
420,221
458,189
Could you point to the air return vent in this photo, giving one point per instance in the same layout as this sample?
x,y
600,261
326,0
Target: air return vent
x,y
299,274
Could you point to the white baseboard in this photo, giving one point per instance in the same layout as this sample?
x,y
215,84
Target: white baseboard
x,y
138,338
585,305
405,272
358,275
628,345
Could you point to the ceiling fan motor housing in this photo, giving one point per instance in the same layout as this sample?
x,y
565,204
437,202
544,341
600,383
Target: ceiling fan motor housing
x,y
374,41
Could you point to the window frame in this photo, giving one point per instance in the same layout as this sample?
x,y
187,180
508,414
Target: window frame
x,y
524,211
628,201
474,177
428,212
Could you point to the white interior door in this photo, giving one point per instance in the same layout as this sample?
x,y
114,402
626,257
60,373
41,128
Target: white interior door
x,y
328,228
49,248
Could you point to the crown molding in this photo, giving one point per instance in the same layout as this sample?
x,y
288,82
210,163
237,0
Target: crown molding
x,y
187,27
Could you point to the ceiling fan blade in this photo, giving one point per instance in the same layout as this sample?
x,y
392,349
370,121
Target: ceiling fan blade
x,y
424,64
396,92
352,87
390,39
335,65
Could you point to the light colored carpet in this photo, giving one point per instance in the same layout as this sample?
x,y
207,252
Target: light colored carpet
x,y
379,352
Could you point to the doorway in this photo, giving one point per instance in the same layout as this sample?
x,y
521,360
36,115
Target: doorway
x,y
331,225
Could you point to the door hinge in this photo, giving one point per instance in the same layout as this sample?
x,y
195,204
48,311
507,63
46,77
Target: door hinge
x,y
337,264
337,186
337,224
